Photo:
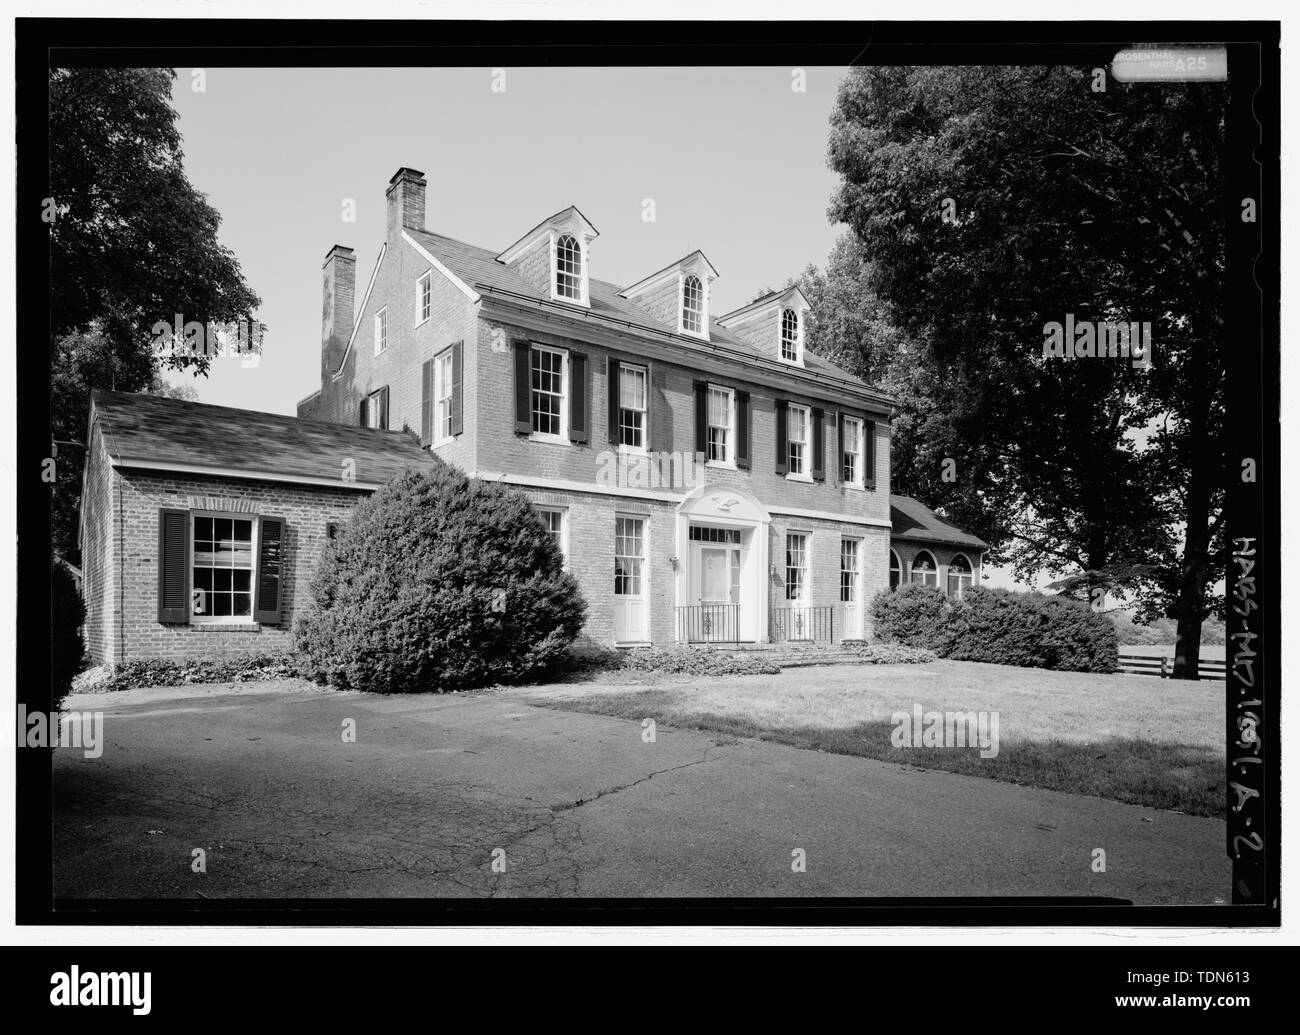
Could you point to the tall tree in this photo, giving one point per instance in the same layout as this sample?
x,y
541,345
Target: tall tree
x,y
989,203
131,243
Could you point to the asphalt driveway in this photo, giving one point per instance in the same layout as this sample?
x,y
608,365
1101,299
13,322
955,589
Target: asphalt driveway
x,y
435,790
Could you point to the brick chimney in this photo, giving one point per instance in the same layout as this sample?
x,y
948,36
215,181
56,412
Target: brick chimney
x,y
406,200
338,310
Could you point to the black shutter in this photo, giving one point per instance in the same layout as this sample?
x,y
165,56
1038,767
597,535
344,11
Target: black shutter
x,y
819,445
579,398
702,418
364,410
270,571
742,430
458,388
523,390
612,377
426,402
383,407
173,565
839,448
869,454
782,443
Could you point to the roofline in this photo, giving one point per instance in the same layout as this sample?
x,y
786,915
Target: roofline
x,y
645,282
437,264
248,474
859,390
763,300
970,544
356,319
501,255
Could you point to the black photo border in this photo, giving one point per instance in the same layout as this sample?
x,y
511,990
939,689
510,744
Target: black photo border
x,y
1254,509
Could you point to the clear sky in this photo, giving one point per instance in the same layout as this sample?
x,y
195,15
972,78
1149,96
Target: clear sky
x,y
734,159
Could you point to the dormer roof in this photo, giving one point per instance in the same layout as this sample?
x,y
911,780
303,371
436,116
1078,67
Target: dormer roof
x,y
696,262
786,298
570,219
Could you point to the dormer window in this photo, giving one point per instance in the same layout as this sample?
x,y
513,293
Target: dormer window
x,y
692,305
789,336
568,268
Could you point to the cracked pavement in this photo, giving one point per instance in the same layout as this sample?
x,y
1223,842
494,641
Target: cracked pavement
x,y
435,789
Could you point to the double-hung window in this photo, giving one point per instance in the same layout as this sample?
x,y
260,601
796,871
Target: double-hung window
x,y
798,427
721,410
549,391
568,268
442,398
381,330
796,567
553,519
852,465
790,336
423,298
222,559
632,407
629,556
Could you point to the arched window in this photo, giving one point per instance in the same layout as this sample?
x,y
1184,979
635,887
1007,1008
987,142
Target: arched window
x,y
960,577
895,570
924,570
692,305
790,335
568,267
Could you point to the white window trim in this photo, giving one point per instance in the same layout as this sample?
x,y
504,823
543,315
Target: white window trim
x,y
206,619
564,527
703,332
420,282
806,599
644,595
381,317
372,410
912,569
861,574
798,338
563,435
644,447
729,462
948,573
439,438
583,279
861,481
806,474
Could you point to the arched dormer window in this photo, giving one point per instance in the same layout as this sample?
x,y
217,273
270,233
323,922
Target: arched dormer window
x,y
960,577
568,268
924,571
692,305
789,336
895,570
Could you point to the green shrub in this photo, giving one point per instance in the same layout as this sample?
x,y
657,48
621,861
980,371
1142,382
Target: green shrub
x,y
67,615
698,661
889,653
913,615
1000,627
439,583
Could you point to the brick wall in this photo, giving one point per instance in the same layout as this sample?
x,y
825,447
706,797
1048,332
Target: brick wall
x,y
672,427
99,539
907,550
305,509
408,346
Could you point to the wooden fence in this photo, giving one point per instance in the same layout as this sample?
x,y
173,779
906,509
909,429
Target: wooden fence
x,y
1145,665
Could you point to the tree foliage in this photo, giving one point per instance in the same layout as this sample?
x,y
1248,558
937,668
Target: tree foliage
x,y
131,243
988,202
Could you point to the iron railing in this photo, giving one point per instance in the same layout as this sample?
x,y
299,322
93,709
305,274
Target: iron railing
x,y
708,623
808,624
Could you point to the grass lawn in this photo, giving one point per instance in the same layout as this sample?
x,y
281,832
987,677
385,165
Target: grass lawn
x,y
1135,739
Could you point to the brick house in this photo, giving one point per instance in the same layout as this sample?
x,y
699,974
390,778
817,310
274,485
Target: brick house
x,y
709,480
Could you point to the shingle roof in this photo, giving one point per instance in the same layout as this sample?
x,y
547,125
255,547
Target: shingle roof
x,y
149,430
912,519
478,267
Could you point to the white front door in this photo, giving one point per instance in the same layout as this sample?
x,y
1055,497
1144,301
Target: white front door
x,y
715,580
631,615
